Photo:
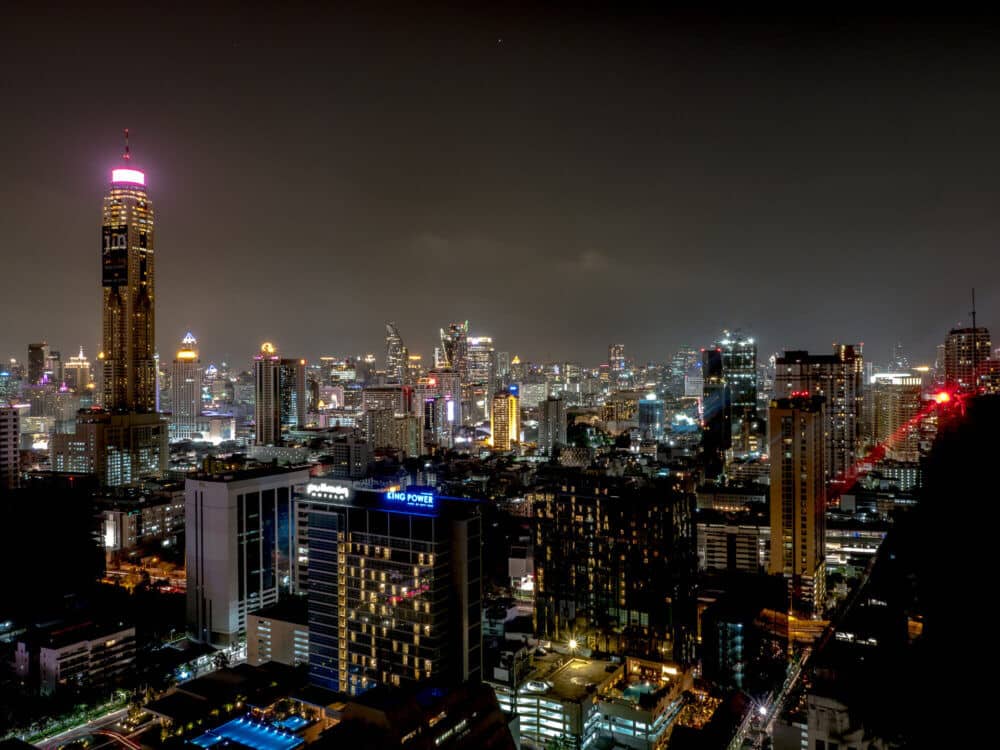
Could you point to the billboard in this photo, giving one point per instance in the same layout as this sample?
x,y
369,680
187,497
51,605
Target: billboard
x,y
114,255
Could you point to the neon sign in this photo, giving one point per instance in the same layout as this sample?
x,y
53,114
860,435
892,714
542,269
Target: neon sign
x,y
332,491
424,499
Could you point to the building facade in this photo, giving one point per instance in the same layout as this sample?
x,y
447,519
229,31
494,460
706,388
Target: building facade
x,y
615,562
394,585
965,352
128,277
239,547
798,498
551,425
279,633
120,448
505,421
717,416
839,378
10,455
396,356
280,395
82,655
894,403
185,388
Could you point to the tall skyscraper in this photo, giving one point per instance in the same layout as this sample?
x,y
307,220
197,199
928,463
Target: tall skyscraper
x,y
965,351
10,435
185,389
505,421
894,405
682,363
394,583
77,372
651,416
616,359
551,424
838,377
54,366
619,374
717,431
482,376
395,355
798,497
127,442
280,387
37,354
739,367
128,277
455,347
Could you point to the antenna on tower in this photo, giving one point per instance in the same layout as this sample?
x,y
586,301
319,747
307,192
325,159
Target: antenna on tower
x,y
128,154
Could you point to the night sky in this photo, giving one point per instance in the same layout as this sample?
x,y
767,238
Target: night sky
x,y
562,181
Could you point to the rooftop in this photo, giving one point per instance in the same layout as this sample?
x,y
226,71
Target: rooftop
x,y
290,609
239,475
570,680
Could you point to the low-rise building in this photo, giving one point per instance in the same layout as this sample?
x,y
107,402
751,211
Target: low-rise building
x,y
279,633
81,655
573,701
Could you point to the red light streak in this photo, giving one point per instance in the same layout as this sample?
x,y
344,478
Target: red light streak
x,y
864,464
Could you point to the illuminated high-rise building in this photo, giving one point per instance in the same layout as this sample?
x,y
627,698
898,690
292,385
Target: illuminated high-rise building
x,y
128,278
482,376
798,497
616,358
54,366
280,387
505,421
651,417
414,368
76,372
894,406
185,387
965,351
455,348
396,355
394,582
839,378
682,363
127,442
739,367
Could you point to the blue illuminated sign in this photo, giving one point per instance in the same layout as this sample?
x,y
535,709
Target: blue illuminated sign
x,y
514,389
425,500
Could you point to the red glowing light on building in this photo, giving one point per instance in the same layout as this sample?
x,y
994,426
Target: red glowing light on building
x,y
942,397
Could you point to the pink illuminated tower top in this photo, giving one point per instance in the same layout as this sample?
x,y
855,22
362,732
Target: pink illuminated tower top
x,y
126,174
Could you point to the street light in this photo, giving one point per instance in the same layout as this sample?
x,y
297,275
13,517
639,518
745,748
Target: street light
x,y
572,644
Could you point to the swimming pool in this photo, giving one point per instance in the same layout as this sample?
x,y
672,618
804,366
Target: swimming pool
x,y
292,723
250,733
640,688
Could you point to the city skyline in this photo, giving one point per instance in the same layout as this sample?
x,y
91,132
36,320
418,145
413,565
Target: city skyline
x,y
663,204
523,379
